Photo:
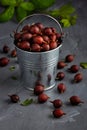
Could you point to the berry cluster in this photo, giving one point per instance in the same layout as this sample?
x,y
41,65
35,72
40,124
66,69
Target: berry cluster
x,y
73,69
42,97
4,61
37,38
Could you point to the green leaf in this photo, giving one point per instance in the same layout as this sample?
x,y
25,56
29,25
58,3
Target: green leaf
x,y
65,23
7,14
19,1
28,6
12,68
67,9
73,19
8,2
42,4
27,102
83,65
65,14
20,13
54,13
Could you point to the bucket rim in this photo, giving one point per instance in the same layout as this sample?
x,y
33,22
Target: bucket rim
x,y
40,14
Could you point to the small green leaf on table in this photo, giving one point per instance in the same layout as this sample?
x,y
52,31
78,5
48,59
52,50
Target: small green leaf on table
x,y
83,65
12,68
27,102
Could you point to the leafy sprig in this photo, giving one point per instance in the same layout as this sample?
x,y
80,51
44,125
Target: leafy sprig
x,y
66,14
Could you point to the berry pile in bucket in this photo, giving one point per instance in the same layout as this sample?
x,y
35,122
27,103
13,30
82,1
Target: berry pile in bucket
x,y
37,38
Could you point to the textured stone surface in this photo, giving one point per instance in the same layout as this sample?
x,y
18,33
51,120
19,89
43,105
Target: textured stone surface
x,y
39,116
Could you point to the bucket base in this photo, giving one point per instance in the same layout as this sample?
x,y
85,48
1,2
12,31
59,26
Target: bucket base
x,y
48,88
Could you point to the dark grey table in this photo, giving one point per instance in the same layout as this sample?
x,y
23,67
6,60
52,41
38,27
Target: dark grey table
x,y
36,116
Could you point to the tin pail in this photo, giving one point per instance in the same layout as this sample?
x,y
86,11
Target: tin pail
x,y
38,67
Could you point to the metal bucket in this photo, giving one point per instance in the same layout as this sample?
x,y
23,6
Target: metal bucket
x,y
38,67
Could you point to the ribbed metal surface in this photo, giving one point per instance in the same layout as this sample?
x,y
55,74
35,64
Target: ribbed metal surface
x,y
39,66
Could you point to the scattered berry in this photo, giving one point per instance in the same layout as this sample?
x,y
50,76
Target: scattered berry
x,y
42,98
14,98
58,113
75,100
74,68
61,88
78,77
60,75
69,58
6,49
57,103
4,61
13,53
61,64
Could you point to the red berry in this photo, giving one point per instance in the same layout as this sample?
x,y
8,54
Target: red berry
x,y
61,88
34,34
78,77
42,98
38,89
38,40
14,98
58,113
75,100
53,37
53,29
53,45
4,61
35,47
25,28
60,75
48,31
26,36
17,36
6,49
45,47
24,45
69,58
40,25
46,38
57,103
58,35
61,64
34,29
13,53
74,68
